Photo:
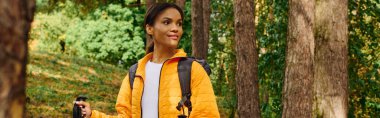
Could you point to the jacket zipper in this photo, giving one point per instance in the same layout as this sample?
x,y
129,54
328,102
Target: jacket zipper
x,y
158,90
158,94
141,101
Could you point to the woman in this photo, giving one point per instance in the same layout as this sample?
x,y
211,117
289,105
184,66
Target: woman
x,y
156,88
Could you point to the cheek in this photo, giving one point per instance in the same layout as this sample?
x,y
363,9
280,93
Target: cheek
x,y
180,31
161,31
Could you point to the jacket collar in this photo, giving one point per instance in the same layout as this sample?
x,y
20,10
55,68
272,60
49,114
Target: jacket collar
x,y
142,62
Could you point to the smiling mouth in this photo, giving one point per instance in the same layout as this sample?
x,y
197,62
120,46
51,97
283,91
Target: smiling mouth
x,y
174,37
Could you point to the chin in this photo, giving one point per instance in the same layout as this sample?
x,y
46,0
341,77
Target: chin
x,y
173,46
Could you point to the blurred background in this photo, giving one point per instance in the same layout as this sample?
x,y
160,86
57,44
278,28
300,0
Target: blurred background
x,y
85,47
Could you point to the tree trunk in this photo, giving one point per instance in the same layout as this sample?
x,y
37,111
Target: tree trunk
x,y
206,28
149,3
331,59
181,3
200,18
297,91
16,17
246,55
161,1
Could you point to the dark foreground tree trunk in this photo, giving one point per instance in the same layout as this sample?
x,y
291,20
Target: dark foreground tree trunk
x,y
200,18
246,56
15,19
331,59
297,89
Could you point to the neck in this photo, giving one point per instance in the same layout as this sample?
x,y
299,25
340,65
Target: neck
x,y
160,54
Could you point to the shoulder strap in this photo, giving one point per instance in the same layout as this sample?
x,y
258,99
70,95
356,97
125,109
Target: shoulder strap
x,y
132,73
204,65
184,74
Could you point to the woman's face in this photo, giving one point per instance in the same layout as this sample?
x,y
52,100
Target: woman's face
x,y
167,29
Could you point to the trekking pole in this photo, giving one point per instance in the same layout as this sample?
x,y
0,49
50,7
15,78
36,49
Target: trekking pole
x,y
77,112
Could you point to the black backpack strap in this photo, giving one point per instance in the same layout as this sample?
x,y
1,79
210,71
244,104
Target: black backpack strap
x,y
204,65
132,73
184,74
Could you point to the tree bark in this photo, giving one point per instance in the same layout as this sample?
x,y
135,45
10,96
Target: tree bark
x,y
16,17
297,91
200,18
246,55
149,3
206,28
331,59
181,3
161,1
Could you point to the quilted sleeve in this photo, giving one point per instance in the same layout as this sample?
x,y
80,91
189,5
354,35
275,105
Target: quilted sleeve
x,y
203,98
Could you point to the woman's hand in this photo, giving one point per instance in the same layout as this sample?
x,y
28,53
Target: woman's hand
x,y
85,107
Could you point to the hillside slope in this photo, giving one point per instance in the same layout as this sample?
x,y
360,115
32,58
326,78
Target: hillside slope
x,y
55,80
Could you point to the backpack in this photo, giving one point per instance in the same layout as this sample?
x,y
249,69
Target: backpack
x,y
184,73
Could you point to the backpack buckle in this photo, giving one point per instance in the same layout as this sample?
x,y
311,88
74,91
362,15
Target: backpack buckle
x,y
184,102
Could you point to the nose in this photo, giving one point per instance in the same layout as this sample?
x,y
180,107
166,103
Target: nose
x,y
175,28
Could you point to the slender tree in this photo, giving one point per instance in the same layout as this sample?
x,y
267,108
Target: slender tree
x,y
297,89
181,3
246,56
331,59
200,18
206,28
16,17
149,3
161,1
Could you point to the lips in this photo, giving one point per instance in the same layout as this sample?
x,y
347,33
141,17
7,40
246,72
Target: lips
x,y
174,37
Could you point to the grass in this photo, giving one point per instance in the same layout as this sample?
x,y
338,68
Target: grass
x,y
55,80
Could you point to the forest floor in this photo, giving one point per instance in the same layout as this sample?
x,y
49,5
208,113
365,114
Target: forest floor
x,y
55,80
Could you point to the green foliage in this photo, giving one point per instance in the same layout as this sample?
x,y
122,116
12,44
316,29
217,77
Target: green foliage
x,y
42,5
186,41
222,56
84,6
50,30
364,78
271,35
109,34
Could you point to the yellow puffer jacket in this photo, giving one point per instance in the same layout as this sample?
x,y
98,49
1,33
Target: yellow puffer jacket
x,y
128,104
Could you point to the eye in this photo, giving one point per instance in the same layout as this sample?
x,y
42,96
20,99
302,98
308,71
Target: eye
x,y
166,22
179,23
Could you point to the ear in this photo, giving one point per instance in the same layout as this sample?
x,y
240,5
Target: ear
x,y
149,29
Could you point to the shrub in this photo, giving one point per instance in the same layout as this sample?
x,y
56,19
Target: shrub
x,y
109,34
50,30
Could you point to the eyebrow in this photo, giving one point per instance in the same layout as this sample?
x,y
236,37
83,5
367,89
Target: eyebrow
x,y
171,18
